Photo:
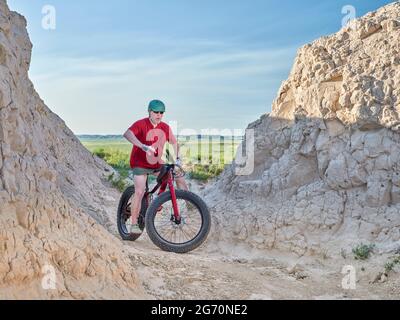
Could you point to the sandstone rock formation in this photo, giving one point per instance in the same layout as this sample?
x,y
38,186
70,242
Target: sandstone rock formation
x,y
53,194
327,170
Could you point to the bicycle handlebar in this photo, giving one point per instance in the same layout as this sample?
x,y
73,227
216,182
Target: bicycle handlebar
x,y
181,168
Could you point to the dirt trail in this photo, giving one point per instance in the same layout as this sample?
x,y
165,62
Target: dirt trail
x,y
208,274
232,272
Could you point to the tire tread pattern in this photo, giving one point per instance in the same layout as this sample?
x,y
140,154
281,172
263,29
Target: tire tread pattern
x,y
194,243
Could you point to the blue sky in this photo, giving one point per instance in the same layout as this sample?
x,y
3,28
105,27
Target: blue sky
x,y
216,64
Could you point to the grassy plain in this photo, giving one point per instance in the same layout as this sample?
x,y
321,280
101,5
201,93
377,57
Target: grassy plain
x,y
204,158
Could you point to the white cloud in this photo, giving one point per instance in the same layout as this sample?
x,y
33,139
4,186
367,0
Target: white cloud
x,y
207,89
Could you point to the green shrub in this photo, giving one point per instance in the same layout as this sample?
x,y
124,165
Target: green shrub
x,y
363,251
101,153
205,172
390,265
119,184
115,158
199,175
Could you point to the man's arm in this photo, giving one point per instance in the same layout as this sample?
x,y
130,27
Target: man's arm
x,y
176,150
135,141
132,139
175,145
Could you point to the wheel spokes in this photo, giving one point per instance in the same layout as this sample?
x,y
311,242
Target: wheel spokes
x,y
173,232
125,217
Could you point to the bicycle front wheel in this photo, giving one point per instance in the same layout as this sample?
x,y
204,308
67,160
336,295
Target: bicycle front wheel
x,y
183,236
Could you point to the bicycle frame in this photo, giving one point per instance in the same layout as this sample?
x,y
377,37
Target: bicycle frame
x,y
166,182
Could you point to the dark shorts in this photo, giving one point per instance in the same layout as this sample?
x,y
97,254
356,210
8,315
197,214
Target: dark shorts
x,y
143,171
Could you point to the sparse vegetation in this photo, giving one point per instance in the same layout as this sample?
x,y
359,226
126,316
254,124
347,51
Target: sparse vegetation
x,y
325,254
390,265
118,182
205,172
118,159
363,251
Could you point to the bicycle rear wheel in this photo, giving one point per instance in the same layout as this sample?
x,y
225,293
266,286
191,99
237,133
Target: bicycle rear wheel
x,y
124,216
183,236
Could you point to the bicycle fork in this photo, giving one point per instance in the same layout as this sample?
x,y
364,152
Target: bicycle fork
x,y
174,202
170,184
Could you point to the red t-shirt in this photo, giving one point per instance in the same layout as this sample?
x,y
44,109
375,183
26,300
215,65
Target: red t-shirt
x,y
149,135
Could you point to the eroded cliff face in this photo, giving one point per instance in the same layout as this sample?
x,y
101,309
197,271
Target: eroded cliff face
x,y
327,170
53,198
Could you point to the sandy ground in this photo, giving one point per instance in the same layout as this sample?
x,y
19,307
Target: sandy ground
x,y
209,274
226,271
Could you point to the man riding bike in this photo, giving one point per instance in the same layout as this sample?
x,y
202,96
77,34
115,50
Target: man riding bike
x,y
148,137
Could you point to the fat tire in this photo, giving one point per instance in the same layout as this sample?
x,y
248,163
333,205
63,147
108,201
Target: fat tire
x,y
178,248
126,196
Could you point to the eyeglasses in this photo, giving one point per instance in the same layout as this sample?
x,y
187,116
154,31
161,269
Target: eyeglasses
x,y
158,112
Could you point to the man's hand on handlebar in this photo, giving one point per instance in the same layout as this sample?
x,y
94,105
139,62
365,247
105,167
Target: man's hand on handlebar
x,y
178,162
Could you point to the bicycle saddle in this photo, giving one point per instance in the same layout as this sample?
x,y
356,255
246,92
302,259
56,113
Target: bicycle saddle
x,y
162,174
